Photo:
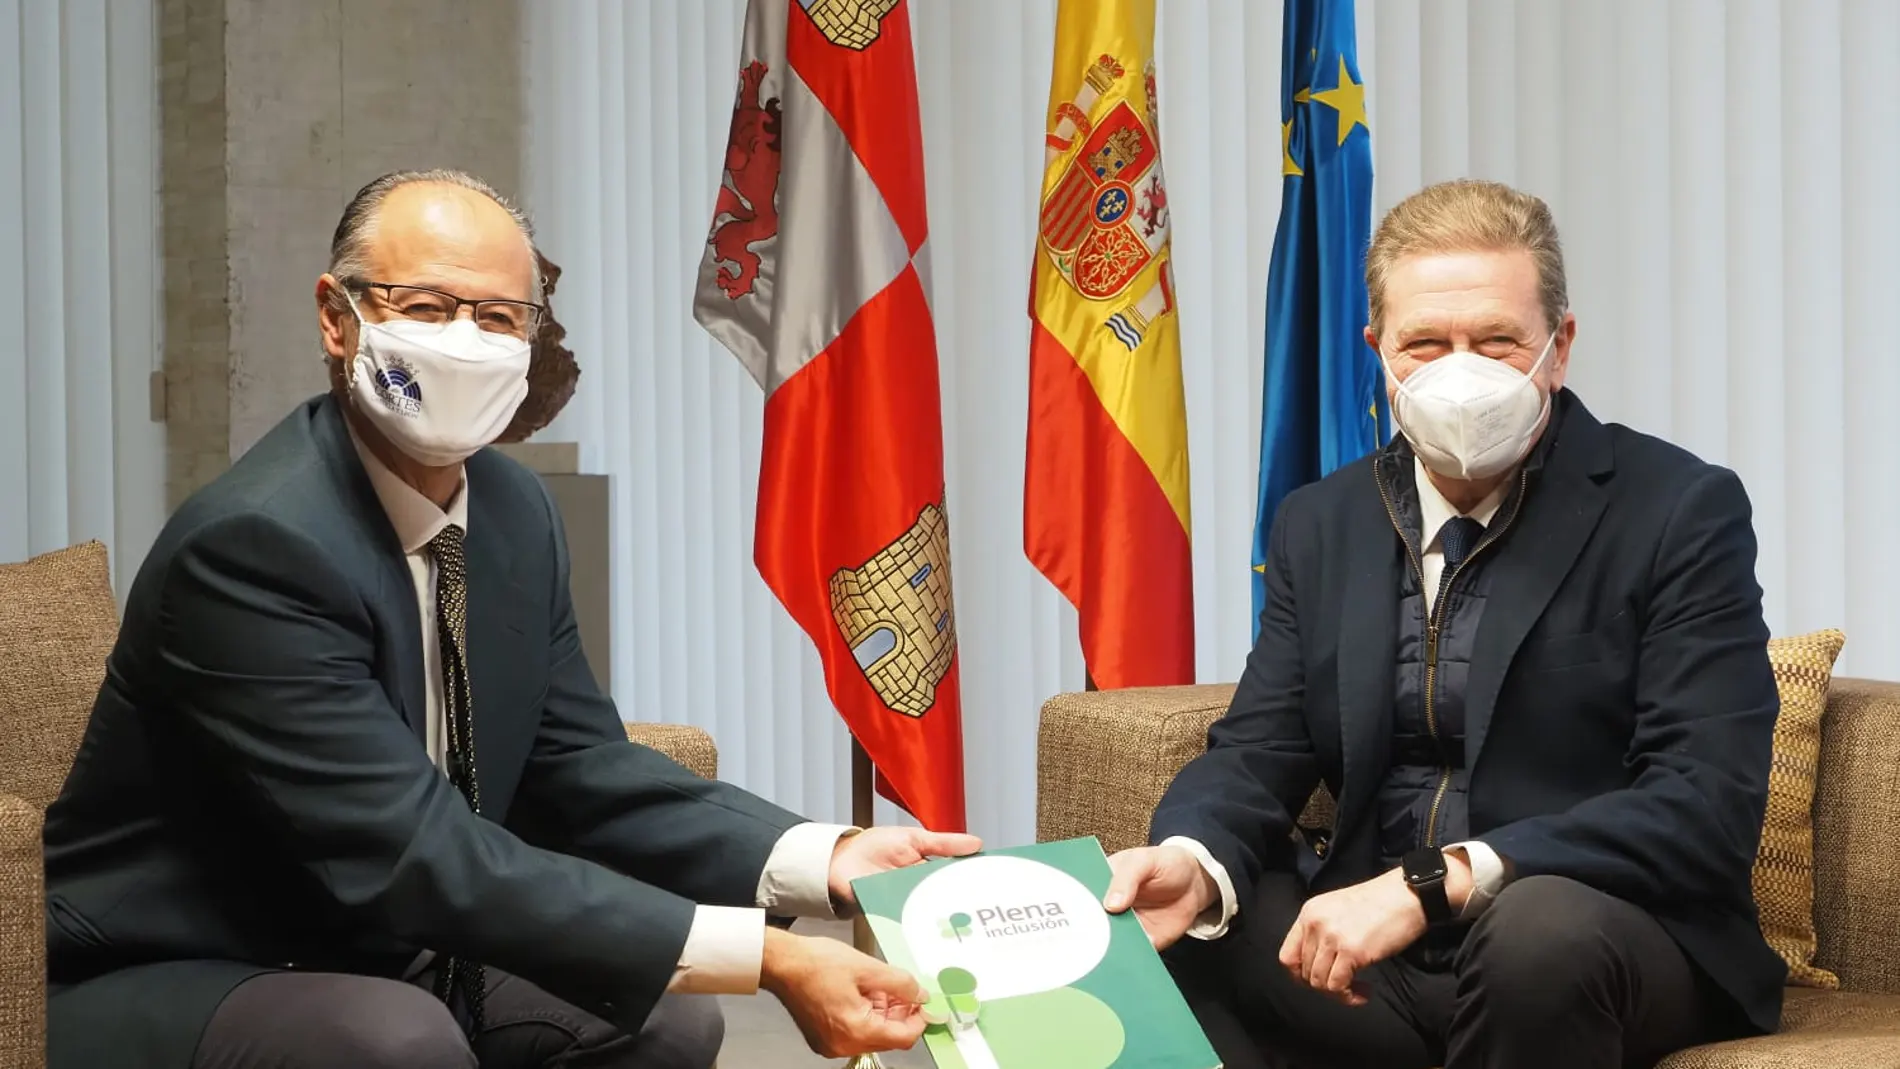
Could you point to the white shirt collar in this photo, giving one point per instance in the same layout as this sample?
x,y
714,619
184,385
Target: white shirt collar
x,y
417,519
1434,511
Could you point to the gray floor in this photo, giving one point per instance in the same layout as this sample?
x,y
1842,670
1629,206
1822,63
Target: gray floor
x,y
761,1035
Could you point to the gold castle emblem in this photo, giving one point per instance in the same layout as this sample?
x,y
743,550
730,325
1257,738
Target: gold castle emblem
x,y
853,24
895,614
1121,149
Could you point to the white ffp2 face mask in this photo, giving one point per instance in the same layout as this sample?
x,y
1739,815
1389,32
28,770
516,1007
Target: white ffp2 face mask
x,y
1469,416
438,392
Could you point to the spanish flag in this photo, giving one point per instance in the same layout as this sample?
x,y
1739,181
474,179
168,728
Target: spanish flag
x,y
1105,514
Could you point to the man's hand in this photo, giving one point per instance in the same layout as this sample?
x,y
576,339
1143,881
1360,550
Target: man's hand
x,y
846,1003
882,849
1166,886
1341,932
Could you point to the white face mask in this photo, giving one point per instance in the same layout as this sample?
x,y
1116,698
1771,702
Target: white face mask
x,y
1469,416
438,392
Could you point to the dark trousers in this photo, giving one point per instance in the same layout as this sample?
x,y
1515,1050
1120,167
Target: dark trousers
x,y
306,1020
1553,975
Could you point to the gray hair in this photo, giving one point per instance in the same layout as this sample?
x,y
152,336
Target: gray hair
x,y
349,247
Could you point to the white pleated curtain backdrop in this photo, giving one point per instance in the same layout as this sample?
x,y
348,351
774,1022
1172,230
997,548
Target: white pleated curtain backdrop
x,y
1722,175
80,457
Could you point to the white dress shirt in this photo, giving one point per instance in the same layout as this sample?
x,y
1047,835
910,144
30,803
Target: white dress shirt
x,y
726,944
1487,869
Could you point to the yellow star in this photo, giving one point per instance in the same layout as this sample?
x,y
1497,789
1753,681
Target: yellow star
x,y
1261,568
1289,166
1348,98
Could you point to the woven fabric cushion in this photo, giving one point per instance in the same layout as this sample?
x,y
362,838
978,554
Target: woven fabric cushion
x,y
58,621
1820,1029
688,745
1784,866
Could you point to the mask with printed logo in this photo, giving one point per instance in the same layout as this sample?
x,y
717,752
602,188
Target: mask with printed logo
x,y
438,392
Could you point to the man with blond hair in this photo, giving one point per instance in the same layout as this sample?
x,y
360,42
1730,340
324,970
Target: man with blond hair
x,y
1525,652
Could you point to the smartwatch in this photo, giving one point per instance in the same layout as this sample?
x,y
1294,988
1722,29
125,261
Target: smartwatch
x,y
1424,871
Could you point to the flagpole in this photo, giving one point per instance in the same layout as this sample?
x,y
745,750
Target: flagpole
x,y
862,798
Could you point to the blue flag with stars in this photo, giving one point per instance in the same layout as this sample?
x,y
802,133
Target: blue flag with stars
x,y
1325,401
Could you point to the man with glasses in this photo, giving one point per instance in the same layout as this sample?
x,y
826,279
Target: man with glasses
x,y
349,795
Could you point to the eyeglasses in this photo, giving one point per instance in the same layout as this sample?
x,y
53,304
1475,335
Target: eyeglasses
x,y
424,305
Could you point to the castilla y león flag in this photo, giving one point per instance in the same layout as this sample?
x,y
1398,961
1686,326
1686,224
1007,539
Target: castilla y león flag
x,y
811,277
1105,510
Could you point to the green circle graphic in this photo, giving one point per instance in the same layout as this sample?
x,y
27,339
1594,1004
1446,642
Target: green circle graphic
x,y
1066,1027
955,981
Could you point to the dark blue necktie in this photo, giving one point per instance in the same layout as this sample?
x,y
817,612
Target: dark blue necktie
x,y
1457,539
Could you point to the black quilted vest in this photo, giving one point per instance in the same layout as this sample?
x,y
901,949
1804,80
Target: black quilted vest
x,y
1422,798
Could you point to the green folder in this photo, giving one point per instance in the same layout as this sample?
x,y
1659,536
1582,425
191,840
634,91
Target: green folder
x,y
1024,967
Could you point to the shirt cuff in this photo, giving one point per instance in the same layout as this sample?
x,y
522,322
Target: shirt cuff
x,y
1487,876
1212,923
724,951
797,877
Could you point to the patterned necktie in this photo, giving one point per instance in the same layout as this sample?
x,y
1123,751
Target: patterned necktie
x,y
1457,539
451,632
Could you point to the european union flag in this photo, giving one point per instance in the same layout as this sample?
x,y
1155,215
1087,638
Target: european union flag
x,y
1325,399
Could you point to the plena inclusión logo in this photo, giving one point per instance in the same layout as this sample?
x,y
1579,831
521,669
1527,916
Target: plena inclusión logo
x,y
999,921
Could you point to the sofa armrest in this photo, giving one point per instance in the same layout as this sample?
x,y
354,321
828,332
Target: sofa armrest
x,y
1104,758
1856,807
682,742
22,937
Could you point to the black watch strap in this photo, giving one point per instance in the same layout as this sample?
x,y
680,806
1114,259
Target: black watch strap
x,y
1424,871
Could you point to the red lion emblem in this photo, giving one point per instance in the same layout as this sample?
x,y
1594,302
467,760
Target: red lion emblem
x,y
1153,208
747,212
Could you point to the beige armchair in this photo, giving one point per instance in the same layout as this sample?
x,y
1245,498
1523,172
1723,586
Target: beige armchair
x,y
58,621
1104,759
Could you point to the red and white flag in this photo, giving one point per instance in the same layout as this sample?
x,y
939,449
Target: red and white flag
x,y
812,278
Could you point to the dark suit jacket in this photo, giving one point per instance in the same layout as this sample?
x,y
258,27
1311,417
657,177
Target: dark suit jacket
x,y
253,791
1620,705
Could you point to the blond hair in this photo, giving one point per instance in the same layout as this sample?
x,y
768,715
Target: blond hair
x,y
1468,215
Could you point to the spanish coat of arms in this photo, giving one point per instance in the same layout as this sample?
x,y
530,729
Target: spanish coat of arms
x,y
1107,216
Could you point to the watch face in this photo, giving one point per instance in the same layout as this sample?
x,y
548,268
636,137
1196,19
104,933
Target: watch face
x,y
1424,865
